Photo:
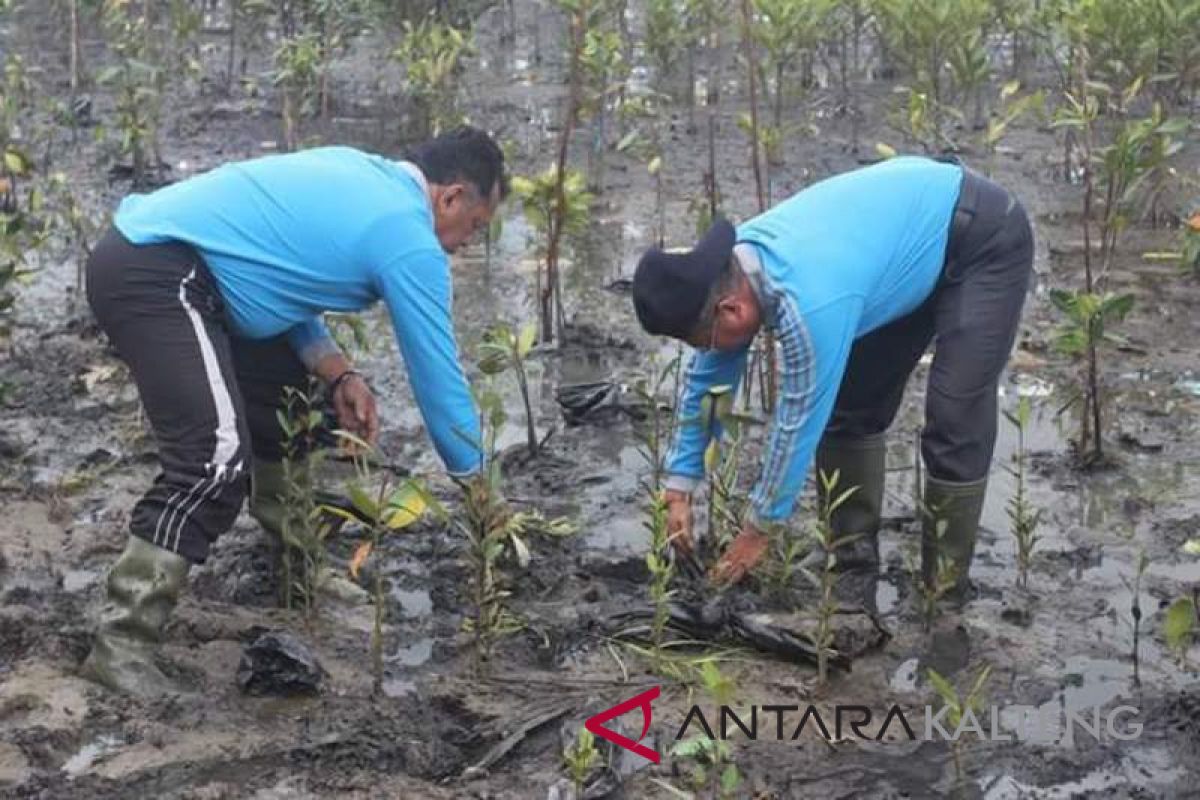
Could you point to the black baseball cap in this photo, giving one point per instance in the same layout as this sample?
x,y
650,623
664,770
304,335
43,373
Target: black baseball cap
x,y
670,289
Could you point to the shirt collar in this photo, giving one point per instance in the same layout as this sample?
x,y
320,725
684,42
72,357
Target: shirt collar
x,y
751,264
415,172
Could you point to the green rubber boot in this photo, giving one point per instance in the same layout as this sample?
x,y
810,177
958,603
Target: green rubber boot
x,y
860,462
143,588
268,488
950,525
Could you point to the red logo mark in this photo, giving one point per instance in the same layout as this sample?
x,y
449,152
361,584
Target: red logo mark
x,y
595,724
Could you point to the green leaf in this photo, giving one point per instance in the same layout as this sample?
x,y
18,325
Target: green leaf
x,y
1063,300
526,339
1179,622
1192,547
628,140
363,502
691,747
730,779
404,507
940,685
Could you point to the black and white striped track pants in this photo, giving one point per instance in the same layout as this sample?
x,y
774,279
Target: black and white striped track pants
x,y
210,397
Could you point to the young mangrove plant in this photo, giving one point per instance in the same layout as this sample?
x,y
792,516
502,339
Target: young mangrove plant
x,y
298,61
654,435
1112,176
960,713
386,507
1134,585
644,111
135,81
306,525
713,767
431,54
580,758
941,577
504,348
722,464
752,116
554,205
940,44
490,528
1084,330
1011,107
830,498
790,32
1021,513
666,38
604,75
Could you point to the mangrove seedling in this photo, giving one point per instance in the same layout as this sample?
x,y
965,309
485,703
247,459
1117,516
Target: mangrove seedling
x,y
666,37
824,536
1134,585
790,32
605,72
941,577
1021,513
960,712
713,767
504,348
1012,107
722,464
1088,318
298,61
490,528
654,436
135,81
554,205
306,525
580,758
385,508
431,53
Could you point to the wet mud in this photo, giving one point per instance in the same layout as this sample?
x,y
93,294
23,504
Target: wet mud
x,y
75,453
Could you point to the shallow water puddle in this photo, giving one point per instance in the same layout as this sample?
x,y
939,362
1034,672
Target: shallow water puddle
x,y
417,603
1135,769
92,752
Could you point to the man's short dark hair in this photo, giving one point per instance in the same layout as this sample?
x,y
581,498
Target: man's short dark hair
x,y
465,154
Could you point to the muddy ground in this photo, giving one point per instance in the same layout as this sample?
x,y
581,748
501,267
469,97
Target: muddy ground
x,y
75,455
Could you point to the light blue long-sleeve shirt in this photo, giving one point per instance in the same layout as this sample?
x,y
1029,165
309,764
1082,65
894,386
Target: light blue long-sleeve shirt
x,y
289,237
839,259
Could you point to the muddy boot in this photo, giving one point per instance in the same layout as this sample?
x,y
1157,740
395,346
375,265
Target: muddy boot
x,y
950,523
143,588
268,488
859,462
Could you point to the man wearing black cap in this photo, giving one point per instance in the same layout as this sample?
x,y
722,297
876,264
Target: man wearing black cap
x,y
855,276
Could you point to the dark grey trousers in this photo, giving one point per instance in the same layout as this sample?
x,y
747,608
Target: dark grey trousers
x,y
971,317
211,398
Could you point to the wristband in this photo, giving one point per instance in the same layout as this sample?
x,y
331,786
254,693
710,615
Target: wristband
x,y
333,387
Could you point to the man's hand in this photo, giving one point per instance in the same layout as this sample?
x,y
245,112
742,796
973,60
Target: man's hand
x,y
355,407
679,520
742,556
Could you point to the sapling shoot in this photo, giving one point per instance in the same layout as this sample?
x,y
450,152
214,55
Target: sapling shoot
x,y
1021,513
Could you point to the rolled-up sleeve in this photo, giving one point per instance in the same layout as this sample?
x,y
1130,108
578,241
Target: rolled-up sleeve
x,y
417,290
685,458
311,341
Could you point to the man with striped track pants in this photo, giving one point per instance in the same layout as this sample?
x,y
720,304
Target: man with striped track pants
x,y
212,291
